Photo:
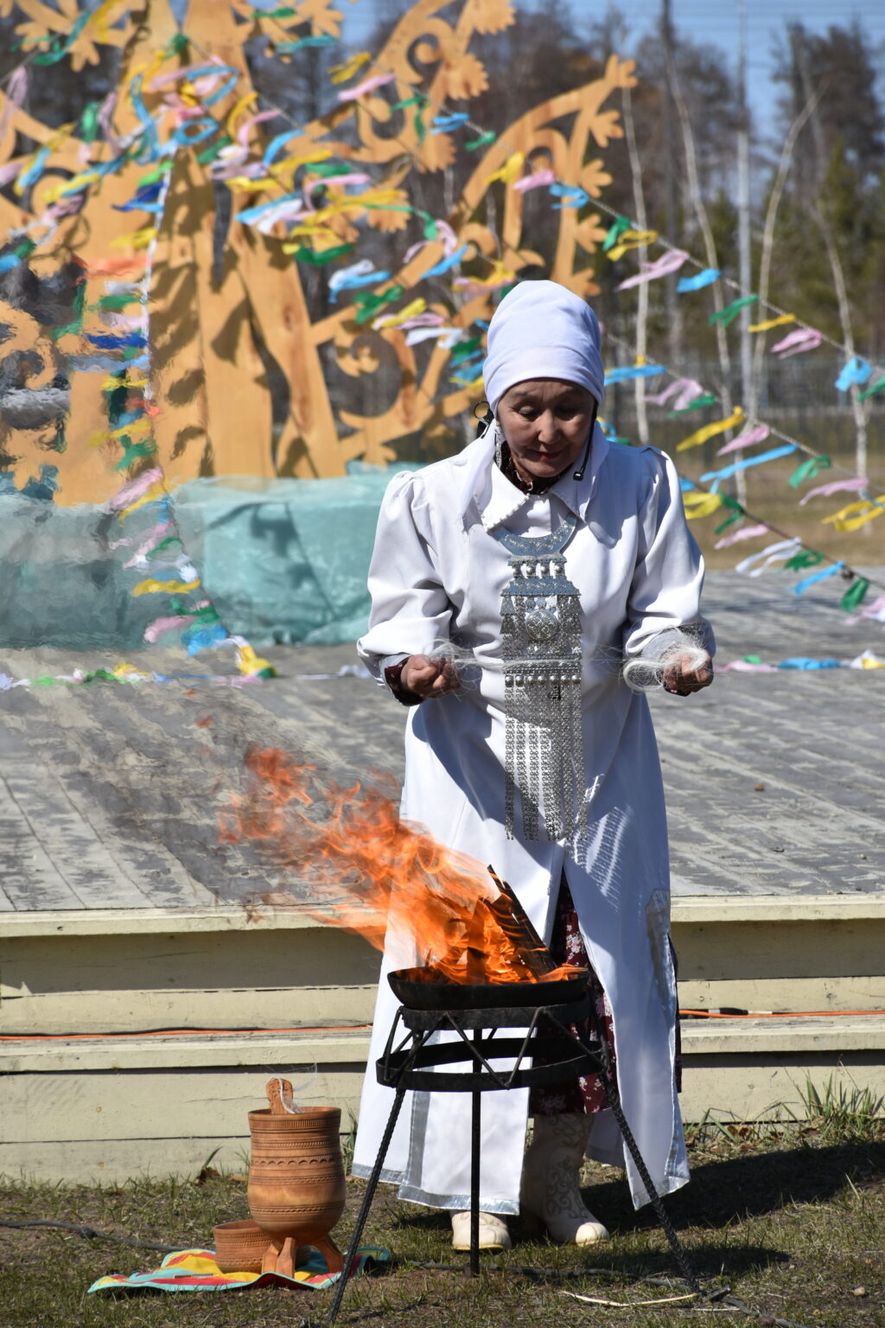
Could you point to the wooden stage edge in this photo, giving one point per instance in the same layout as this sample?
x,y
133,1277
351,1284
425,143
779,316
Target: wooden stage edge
x,y
181,1016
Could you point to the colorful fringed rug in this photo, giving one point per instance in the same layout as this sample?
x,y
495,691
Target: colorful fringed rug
x,y
196,1270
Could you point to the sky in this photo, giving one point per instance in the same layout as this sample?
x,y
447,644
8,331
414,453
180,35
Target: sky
x,y
713,21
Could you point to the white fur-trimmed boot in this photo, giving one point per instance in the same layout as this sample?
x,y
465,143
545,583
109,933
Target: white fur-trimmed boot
x,y
493,1233
550,1190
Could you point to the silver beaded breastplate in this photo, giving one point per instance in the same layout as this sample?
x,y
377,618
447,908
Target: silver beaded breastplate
x,y
541,631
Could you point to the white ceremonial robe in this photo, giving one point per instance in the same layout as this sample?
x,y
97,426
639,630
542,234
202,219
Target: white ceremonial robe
x,y
438,574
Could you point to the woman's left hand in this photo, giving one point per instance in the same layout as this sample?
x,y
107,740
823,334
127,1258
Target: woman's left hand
x,y
684,675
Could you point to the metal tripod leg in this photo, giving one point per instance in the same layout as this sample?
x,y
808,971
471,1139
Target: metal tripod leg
x,y
366,1205
614,1101
475,1140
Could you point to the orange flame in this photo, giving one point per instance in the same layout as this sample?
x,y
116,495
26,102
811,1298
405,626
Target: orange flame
x,y
365,870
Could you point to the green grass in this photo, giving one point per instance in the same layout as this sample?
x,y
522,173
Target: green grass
x,y
791,1216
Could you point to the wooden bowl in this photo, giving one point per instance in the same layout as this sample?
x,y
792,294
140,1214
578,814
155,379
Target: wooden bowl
x,y
240,1246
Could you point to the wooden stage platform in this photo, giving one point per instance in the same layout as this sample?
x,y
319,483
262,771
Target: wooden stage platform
x,y
142,1006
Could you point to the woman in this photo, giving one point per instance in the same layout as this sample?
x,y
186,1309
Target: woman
x,y
549,556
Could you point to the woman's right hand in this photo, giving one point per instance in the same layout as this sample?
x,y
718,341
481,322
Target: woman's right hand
x,y
429,677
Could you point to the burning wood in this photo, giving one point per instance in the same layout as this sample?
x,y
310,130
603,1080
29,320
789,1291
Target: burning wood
x,y
362,868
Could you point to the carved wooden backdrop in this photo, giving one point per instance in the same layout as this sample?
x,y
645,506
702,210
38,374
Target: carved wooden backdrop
x,y
221,331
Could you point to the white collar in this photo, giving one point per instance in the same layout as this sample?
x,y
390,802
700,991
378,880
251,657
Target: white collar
x,y
489,490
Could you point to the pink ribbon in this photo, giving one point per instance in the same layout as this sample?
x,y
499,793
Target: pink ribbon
x,y
150,541
737,536
836,486
368,85
161,625
661,267
874,611
243,131
134,489
355,177
746,438
797,341
684,390
16,88
538,180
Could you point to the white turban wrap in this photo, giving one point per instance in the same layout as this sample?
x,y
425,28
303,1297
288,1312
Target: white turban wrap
x,y
542,330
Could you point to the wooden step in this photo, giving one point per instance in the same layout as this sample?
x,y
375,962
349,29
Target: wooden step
x,y
138,969
109,1108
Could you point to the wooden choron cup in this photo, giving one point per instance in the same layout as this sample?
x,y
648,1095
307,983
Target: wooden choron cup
x,y
296,1186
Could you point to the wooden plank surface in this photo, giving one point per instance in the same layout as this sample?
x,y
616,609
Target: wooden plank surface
x,y
270,977
109,794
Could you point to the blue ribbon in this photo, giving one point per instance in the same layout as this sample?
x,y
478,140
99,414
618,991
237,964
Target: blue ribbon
x,y
727,471
440,124
287,48
277,142
112,342
698,282
445,263
34,171
801,586
803,662
856,371
252,214
356,281
621,375
227,85
151,137
195,131
572,195
203,637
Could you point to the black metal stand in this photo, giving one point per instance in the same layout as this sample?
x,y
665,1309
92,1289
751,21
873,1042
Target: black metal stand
x,y
550,1052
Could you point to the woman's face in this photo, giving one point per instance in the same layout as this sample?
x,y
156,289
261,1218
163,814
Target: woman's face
x,y
546,423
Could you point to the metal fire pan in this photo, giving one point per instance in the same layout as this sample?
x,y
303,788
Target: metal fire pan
x,y
416,990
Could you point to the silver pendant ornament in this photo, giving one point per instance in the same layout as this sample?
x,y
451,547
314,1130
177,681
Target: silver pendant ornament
x,y
541,633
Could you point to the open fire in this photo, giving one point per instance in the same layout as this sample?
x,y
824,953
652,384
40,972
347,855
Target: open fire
x,y
367,870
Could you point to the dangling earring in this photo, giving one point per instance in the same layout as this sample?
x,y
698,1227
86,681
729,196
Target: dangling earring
x,y
499,445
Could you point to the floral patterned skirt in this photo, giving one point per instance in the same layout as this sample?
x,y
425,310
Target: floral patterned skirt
x,y
587,1094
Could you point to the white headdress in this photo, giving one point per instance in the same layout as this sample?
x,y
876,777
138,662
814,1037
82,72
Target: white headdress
x,y
543,330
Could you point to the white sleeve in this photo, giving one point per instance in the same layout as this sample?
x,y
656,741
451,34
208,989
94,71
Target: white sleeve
x,y
664,606
410,611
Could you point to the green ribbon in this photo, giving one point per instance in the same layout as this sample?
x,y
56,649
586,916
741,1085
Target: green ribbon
x,y
89,122
878,386
735,513
164,544
614,233
707,399
465,349
804,558
807,469
112,303
731,311
154,174
319,257
323,168
481,141
856,592
370,304
210,152
76,323
133,452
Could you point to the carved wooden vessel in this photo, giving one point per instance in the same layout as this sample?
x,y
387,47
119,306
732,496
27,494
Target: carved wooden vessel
x,y
296,1178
